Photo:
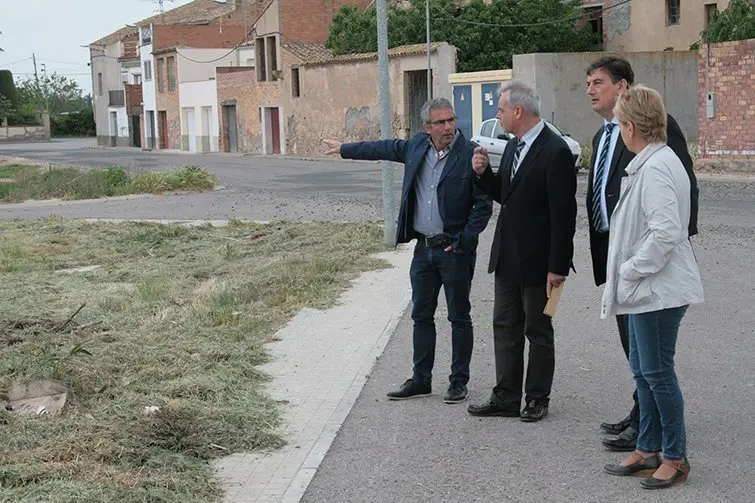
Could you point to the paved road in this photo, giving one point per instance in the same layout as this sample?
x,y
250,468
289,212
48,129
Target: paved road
x,y
424,450
253,187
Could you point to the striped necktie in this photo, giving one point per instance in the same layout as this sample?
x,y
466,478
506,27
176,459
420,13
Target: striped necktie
x,y
517,153
597,192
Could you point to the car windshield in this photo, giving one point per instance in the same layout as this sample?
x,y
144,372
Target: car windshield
x,y
486,129
498,129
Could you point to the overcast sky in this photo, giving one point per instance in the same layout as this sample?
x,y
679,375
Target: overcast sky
x,y
55,30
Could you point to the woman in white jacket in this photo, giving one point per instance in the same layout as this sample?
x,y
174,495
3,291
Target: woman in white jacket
x,y
652,276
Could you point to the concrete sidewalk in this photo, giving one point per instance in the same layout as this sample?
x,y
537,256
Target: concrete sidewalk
x,y
319,366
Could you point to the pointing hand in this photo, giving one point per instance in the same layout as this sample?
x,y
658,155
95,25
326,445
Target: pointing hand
x,y
334,147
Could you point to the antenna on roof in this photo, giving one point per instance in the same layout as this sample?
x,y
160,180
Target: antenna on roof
x,y
160,7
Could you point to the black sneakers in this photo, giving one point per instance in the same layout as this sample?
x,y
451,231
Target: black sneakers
x,y
410,389
456,393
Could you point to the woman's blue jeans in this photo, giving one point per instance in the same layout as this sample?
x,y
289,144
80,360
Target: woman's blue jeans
x,y
652,346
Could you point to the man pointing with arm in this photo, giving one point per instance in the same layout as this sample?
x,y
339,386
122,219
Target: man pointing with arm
x,y
442,209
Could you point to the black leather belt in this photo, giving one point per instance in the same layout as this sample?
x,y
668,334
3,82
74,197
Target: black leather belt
x,y
437,240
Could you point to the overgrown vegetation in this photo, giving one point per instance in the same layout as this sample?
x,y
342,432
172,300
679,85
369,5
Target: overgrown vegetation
x,y
736,22
76,124
19,182
481,32
174,318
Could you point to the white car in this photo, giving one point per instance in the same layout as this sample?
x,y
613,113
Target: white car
x,y
493,137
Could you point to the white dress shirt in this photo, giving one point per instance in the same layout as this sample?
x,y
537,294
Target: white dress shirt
x,y
528,138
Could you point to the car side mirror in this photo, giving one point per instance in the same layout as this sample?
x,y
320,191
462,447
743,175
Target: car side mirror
x,y
504,136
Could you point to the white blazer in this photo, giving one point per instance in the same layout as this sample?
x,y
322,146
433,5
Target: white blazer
x,y
651,265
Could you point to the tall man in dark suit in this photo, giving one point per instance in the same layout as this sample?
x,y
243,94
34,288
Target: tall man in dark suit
x,y
442,209
606,79
531,253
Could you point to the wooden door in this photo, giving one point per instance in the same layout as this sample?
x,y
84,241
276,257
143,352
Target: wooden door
x,y
162,119
275,130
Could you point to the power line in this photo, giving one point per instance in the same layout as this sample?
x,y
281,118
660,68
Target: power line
x,y
18,61
221,57
63,62
529,25
55,73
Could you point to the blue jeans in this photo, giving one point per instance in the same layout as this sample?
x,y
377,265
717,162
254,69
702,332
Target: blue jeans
x,y
433,267
652,345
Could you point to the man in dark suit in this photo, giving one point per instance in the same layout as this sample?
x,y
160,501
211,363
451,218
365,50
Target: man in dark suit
x,y
606,79
442,209
531,253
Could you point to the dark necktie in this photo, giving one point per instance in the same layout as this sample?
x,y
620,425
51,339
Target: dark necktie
x,y
597,192
517,153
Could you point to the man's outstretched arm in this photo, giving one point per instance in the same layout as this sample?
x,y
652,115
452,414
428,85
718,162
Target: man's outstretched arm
x,y
380,150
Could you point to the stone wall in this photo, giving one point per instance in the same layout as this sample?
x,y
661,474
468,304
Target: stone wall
x,y
560,80
23,133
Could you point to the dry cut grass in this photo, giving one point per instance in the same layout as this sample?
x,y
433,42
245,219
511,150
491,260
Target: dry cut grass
x,y
21,182
173,317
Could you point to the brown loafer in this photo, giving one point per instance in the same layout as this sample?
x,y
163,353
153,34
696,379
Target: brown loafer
x,y
639,466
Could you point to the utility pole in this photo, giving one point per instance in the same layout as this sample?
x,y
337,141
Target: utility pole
x,y
34,60
36,76
44,81
429,64
386,130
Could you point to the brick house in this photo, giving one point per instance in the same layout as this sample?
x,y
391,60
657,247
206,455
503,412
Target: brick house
x,y
650,25
179,49
124,58
726,83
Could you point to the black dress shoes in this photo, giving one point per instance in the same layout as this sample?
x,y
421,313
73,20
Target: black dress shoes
x,y
616,428
534,411
490,409
626,441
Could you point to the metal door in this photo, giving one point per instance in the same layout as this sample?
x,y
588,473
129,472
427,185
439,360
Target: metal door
x,y
489,101
136,131
191,129
149,130
230,117
416,82
463,108
113,129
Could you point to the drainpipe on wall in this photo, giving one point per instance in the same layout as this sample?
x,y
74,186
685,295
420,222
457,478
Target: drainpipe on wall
x,y
707,93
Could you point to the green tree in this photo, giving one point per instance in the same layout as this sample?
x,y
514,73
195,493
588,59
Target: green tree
x,y
6,108
7,86
737,22
63,95
481,32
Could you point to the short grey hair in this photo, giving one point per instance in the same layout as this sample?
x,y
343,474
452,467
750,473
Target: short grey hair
x,y
434,104
521,95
